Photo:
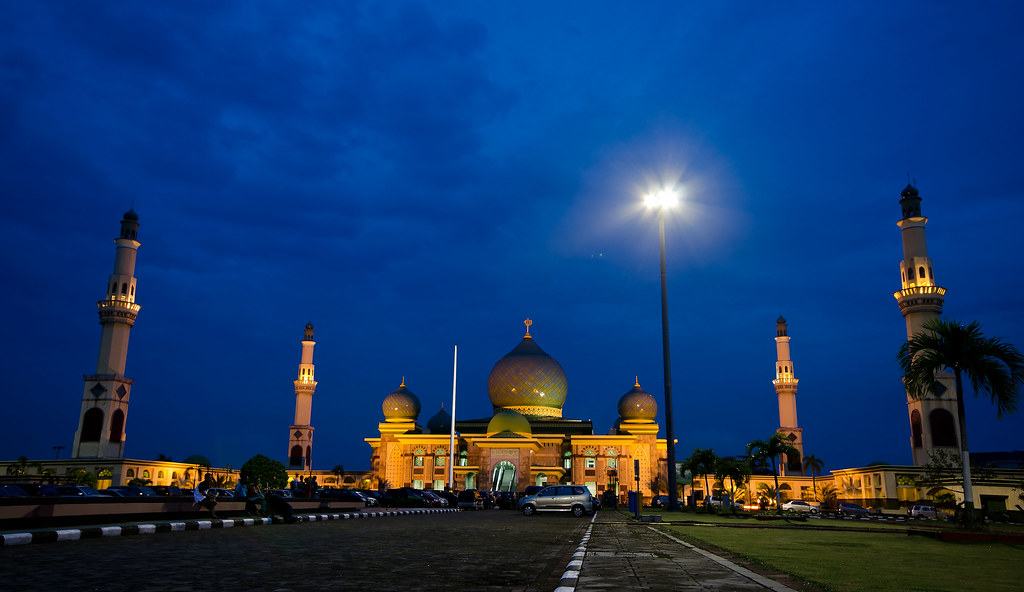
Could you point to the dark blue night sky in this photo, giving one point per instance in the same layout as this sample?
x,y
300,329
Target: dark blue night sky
x,y
411,176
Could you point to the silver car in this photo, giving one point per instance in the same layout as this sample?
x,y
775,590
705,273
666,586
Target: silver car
x,y
559,498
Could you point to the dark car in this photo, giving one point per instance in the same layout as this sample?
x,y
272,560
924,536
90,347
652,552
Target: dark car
x,y
848,509
38,489
135,490
347,495
532,489
78,491
471,499
659,501
371,494
12,491
403,497
166,490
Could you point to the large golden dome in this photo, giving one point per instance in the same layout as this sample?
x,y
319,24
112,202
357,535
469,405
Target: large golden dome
x,y
529,381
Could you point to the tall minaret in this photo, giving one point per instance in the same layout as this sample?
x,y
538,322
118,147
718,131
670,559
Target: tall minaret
x,y
105,400
300,438
933,421
785,387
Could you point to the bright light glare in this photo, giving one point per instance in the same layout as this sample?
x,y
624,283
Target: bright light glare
x,y
666,199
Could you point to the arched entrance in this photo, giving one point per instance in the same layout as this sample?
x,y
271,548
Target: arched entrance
x,y
504,476
542,479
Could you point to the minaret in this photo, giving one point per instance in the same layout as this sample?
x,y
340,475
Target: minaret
x,y
933,421
785,387
300,438
104,410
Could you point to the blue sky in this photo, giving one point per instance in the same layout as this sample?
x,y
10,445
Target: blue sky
x,y
410,177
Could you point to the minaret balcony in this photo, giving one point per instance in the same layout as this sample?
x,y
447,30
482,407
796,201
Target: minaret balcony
x,y
920,298
118,311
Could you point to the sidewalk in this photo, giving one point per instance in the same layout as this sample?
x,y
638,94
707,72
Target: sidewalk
x,y
619,554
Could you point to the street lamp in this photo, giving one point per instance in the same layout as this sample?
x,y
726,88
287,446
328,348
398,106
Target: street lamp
x,y
664,200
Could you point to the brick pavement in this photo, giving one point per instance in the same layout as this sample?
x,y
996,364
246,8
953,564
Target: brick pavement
x,y
621,555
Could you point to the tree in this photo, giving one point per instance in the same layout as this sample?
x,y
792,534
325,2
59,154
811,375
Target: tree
x,y
735,469
701,462
198,460
21,467
991,366
829,495
768,451
814,466
657,484
264,471
140,482
339,472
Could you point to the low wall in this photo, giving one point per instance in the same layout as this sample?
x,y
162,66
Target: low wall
x,y
57,511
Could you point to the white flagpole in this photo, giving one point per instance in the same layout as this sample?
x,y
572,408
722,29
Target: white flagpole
x,y
451,441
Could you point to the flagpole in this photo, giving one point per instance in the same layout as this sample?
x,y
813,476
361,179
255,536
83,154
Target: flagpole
x,y
451,441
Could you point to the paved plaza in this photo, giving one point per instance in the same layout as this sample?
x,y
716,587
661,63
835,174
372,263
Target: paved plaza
x,y
484,551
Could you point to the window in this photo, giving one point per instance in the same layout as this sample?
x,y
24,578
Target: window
x,y
92,425
613,463
130,473
116,425
463,459
439,461
470,480
417,462
145,474
567,460
589,462
417,483
438,484
160,475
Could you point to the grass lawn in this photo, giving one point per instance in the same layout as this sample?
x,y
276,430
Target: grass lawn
x,y
852,561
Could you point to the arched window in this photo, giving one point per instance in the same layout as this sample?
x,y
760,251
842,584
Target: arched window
x,y
931,273
145,474
470,480
920,272
943,428
133,290
794,462
910,273
160,475
309,456
915,428
130,473
105,474
295,456
113,288
124,288
92,425
116,425
174,474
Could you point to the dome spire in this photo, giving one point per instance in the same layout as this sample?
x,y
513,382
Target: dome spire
x,y
527,322
637,379
403,383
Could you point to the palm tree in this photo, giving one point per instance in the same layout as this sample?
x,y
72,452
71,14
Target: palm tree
x,y
992,366
736,470
702,462
338,471
814,466
769,451
21,467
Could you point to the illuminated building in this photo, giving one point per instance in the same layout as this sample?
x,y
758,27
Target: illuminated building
x,y
525,442
300,435
785,388
101,421
933,423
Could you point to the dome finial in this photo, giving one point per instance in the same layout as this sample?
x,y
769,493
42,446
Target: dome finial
x,y
527,322
403,383
637,381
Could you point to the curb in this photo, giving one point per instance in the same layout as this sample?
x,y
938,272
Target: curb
x,y
94,532
572,571
766,582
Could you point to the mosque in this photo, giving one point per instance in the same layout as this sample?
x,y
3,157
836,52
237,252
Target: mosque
x,y
526,441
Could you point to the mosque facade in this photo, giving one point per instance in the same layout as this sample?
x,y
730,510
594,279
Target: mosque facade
x,y
526,441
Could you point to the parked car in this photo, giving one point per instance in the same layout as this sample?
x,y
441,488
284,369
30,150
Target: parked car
x,y
167,490
718,501
221,494
532,490
922,512
403,497
278,492
559,498
433,500
135,490
659,501
371,494
38,489
114,493
78,491
12,491
800,506
848,509
471,499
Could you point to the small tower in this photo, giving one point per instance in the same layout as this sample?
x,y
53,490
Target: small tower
x,y
933,423
300,436
785,387
104,410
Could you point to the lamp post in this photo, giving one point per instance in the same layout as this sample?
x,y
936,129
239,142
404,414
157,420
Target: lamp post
x,y
663,200
56,454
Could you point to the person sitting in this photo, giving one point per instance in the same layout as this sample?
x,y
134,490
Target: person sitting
x,y
204,497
